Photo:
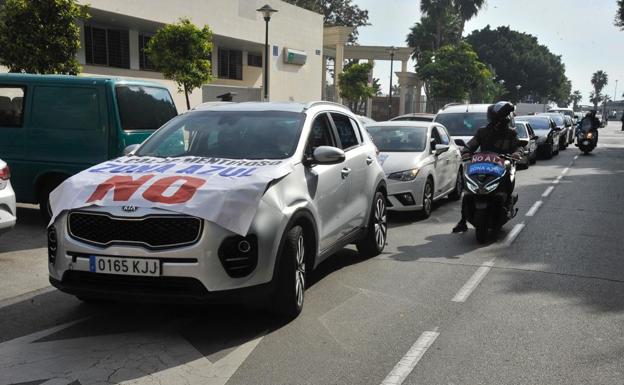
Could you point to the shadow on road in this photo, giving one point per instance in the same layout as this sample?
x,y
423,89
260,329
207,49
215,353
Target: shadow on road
x,y
29,232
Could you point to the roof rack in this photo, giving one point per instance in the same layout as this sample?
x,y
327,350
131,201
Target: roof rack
x,y
323,102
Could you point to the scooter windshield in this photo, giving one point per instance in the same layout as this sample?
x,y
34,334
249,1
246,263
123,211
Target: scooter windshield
x,y
486,163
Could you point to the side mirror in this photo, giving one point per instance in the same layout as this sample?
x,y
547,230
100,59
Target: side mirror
x,y
327,155
460,143
524,142
441,148
130,149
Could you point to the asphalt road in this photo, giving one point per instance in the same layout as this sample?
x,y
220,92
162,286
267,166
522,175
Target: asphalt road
x,y
542,305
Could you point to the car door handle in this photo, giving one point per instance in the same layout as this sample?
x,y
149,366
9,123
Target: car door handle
x,y
369,160
345,172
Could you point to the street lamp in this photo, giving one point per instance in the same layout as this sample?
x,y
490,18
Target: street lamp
x,y
391,51
518,91
266,12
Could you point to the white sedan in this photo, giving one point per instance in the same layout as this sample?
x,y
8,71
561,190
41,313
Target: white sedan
x,y
421,163
7,199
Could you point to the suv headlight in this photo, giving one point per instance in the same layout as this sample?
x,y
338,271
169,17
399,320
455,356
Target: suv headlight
x,y
405,176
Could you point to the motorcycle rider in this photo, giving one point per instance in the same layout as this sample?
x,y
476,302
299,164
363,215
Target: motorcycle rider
x,y
498,136
590,123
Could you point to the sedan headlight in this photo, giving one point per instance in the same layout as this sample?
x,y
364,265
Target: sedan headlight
x,y
405,176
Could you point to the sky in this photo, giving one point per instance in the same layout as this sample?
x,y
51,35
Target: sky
x,y
580,31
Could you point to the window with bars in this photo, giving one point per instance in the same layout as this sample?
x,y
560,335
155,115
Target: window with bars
x,y
105,46
144,62
254,60
230,64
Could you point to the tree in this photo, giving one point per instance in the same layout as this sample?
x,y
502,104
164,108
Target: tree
x,y
444,13
40,37
595,99
519,59
455,73
182,53
576,97
467,9
619,16
354,87
423,35
598,80
337,12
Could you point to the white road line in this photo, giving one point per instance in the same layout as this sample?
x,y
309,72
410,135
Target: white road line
x,y
408,362
474,281
548,191
534,208
25,296
513,234
556,181
565,170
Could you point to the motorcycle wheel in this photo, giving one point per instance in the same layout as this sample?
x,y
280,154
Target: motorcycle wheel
x,y
480,224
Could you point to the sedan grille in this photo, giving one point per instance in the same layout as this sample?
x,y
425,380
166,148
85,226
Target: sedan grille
x,y
152,231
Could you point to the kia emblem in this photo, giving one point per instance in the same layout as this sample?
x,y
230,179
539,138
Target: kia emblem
x,y
129,209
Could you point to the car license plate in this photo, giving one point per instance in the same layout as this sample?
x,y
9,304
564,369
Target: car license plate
x,y
124,266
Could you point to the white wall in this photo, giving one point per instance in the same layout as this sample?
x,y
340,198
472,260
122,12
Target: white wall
x,y
291,27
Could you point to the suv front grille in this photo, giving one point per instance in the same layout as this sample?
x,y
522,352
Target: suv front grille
x,y
152,231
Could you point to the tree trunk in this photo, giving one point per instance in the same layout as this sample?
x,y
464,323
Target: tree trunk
x,y
188,103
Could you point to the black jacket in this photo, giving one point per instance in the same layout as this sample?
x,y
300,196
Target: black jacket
x,y
503,140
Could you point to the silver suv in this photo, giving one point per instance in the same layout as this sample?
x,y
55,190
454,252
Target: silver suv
x,y
333,195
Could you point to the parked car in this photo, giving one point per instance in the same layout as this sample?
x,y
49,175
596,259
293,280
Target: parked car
x,y
8,211
547,133
421,163
564,111
571,126
365,120
415,117
332,194
559,120
463,120
55,126
528,139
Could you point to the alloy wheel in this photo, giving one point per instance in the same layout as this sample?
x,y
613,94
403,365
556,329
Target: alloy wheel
x,y
428,198
381,224
301,269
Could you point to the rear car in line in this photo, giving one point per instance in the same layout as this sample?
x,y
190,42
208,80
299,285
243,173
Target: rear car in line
x,y
562,127
528,140
548,134
8,211
421,163
334,195
463,120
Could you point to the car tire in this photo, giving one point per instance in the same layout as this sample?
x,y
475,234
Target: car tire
x,y
374,241
291,275
456,194
427,199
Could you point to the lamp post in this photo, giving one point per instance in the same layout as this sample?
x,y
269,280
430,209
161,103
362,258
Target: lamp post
x,y
266,12
391,51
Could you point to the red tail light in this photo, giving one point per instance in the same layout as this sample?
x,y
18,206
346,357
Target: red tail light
x,y
5,174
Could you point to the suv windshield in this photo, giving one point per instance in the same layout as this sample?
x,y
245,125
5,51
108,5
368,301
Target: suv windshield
x,y
227,134
398,139
462,123
538,123
144,108
558,118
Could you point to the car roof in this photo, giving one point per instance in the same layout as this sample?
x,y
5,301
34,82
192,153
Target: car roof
x,y
405,123
268,106
75,79
456,108
416,114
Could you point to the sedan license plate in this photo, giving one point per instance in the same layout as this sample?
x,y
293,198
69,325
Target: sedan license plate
x,y
124,266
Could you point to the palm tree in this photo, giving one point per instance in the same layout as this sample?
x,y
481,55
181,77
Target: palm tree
x,y
576,97
438,11
468,9
599,80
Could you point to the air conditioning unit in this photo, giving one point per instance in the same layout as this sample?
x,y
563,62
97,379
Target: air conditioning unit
x,y
296,57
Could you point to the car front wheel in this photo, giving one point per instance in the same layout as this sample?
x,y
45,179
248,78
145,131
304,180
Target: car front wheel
x,y
290,291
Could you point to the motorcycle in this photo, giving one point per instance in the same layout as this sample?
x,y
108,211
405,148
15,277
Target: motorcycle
x,y
586,140
487,204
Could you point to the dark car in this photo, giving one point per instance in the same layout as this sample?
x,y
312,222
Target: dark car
x,y
548,134
528,140
569,122
564,130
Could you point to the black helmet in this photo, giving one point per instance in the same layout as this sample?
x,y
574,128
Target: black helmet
x,y
500,112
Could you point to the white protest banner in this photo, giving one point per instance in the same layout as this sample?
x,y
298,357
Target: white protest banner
x,y
224,191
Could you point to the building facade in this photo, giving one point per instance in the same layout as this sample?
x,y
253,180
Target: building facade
x,y
114,37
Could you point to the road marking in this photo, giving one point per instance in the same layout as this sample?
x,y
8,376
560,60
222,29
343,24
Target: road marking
x,y
548,191
408,362
513,234
534,208
556,181
576,157
565,170
474,281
